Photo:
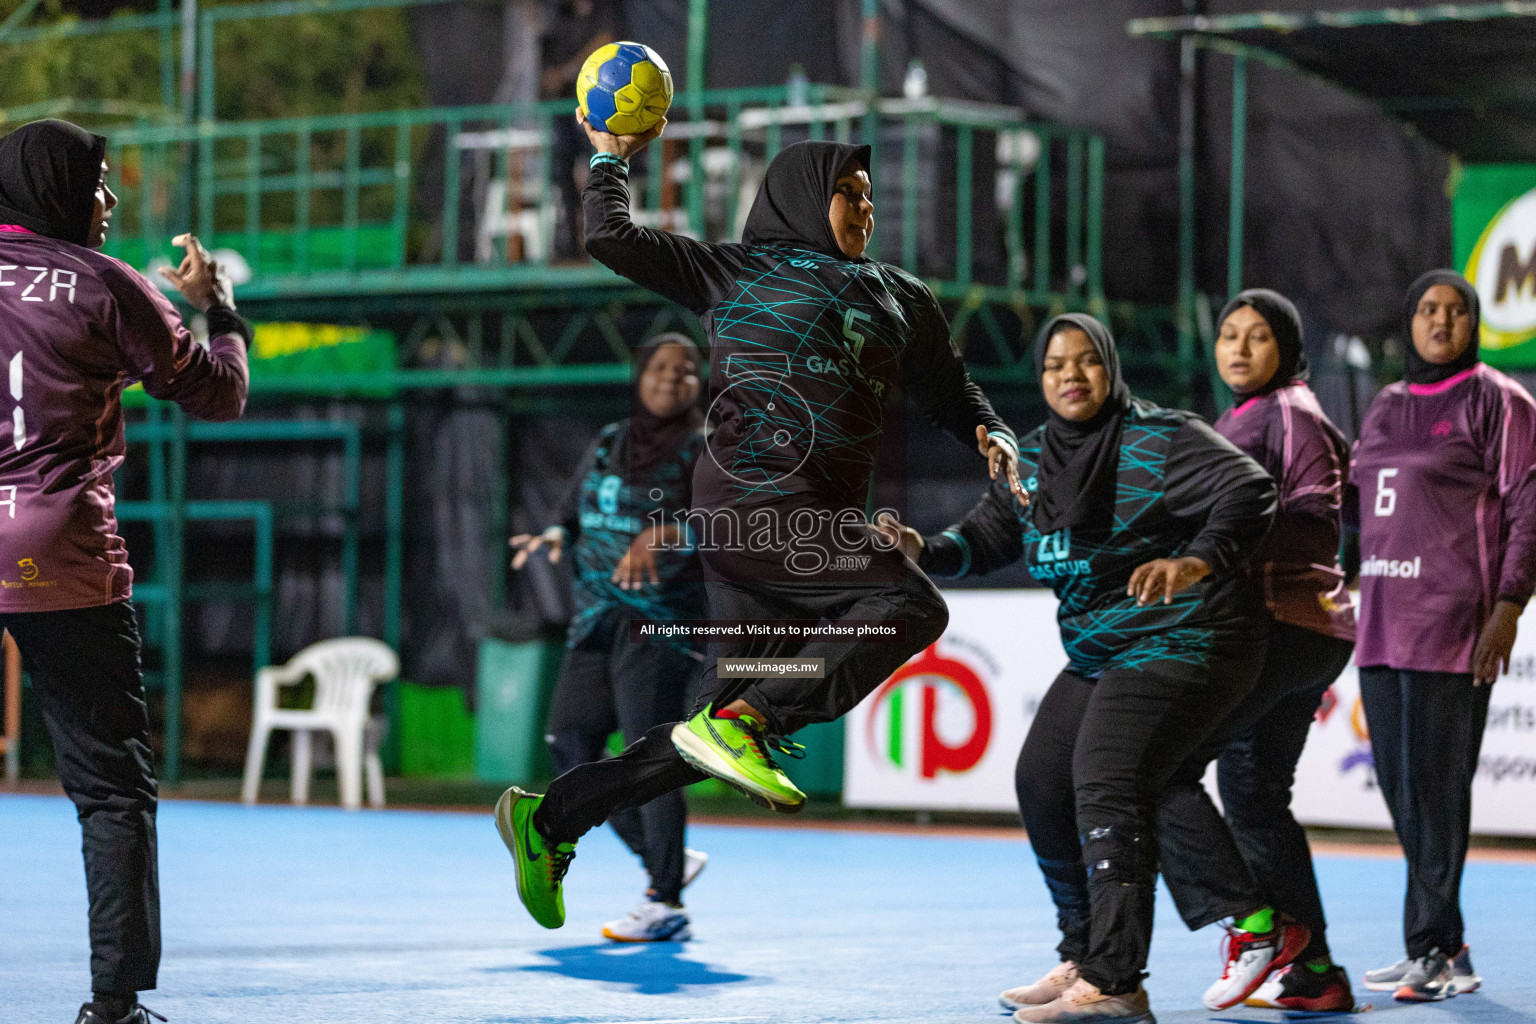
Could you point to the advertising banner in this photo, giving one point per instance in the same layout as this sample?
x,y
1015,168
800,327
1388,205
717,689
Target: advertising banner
x,y
1493,220
944,732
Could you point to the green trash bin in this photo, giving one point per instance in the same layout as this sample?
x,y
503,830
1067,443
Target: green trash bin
x,y
820,772
513,686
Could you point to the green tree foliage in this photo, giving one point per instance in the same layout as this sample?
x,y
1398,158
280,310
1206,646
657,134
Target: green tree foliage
x,y
268,67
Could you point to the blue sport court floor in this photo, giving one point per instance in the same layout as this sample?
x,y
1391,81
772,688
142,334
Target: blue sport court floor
x,y
300,915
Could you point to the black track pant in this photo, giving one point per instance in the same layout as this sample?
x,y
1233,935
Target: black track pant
x,y
1426,732
1262,858
609,682
584,797
1089,780
84,665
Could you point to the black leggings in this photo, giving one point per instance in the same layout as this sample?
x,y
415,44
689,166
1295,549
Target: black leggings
x,y
585,796
1089,779
1265,860
84,665
608,682
1426,734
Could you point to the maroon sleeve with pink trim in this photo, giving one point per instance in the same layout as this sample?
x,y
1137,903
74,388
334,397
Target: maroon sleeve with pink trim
x,y
1512,463
77,327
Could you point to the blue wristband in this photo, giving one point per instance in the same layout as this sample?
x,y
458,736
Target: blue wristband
x,y
609,159
1004,439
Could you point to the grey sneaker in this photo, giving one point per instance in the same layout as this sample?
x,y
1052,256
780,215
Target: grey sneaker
x,y
1464,977
1387,979
1428,980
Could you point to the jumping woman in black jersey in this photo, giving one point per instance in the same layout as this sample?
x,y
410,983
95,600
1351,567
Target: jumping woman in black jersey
x,y
808,342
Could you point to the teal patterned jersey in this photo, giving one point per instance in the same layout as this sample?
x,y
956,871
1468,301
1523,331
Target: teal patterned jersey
x,y
806,350
605,511
1180,489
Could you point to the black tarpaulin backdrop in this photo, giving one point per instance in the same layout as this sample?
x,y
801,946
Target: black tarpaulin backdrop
x,y
1344,210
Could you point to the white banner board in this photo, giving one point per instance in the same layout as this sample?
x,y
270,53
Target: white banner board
x,y
944,732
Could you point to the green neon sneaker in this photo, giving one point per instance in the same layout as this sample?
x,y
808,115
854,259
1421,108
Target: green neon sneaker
x,y
541,865
736,751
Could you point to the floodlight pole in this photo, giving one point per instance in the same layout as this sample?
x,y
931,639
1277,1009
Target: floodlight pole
x,y
1239,168
698,41
1186,310
869,82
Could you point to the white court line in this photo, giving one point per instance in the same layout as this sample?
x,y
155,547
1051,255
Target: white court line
x,y
682,1020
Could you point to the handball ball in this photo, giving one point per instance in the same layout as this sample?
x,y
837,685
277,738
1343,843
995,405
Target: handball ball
x,y
624,88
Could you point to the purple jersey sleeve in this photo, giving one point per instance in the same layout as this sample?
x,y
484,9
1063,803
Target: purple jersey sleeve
x,y
208,383
1512,464
1297,566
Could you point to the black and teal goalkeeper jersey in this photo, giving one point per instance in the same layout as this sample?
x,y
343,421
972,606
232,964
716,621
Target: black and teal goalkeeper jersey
x,y
1181,489
805,352
604,510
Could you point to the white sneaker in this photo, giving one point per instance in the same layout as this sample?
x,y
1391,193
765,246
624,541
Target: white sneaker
x,y
1464,978
694,861
1386,979
651,921
1043,991
1250,958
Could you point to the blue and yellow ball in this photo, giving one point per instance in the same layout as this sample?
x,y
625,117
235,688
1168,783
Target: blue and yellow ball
x,y
624,88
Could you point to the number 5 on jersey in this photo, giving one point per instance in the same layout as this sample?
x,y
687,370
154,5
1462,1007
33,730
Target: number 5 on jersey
x,y
1386,497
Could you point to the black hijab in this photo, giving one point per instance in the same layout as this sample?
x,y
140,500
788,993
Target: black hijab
x,y
1285,324
648,439
1417,369
1080,460
793,202
49,171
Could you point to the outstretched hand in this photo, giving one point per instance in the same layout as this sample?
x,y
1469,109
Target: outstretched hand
x,y
1001,458
525,544
623,146
200,278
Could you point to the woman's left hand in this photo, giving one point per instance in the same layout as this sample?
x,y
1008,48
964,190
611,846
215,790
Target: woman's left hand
x,y
1491,655
1001,458
1165,576
638,566
623,146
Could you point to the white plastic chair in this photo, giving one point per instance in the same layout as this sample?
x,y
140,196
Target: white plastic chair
x,y
345,672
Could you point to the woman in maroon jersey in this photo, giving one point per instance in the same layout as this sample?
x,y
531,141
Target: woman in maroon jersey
x,y
76,327
1278,422
1446,471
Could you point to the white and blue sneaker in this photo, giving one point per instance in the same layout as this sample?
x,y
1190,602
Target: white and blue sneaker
x,y
694,861
651,921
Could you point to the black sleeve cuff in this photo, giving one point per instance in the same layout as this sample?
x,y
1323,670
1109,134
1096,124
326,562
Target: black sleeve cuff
x,y
223,320
945,554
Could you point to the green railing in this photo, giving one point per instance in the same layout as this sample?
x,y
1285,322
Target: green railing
x,y
333,204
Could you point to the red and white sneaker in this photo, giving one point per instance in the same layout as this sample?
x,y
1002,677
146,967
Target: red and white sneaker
x,y
1250,959
1298,987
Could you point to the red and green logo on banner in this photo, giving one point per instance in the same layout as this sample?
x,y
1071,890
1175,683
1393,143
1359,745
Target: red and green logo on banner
x,y
1494,224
